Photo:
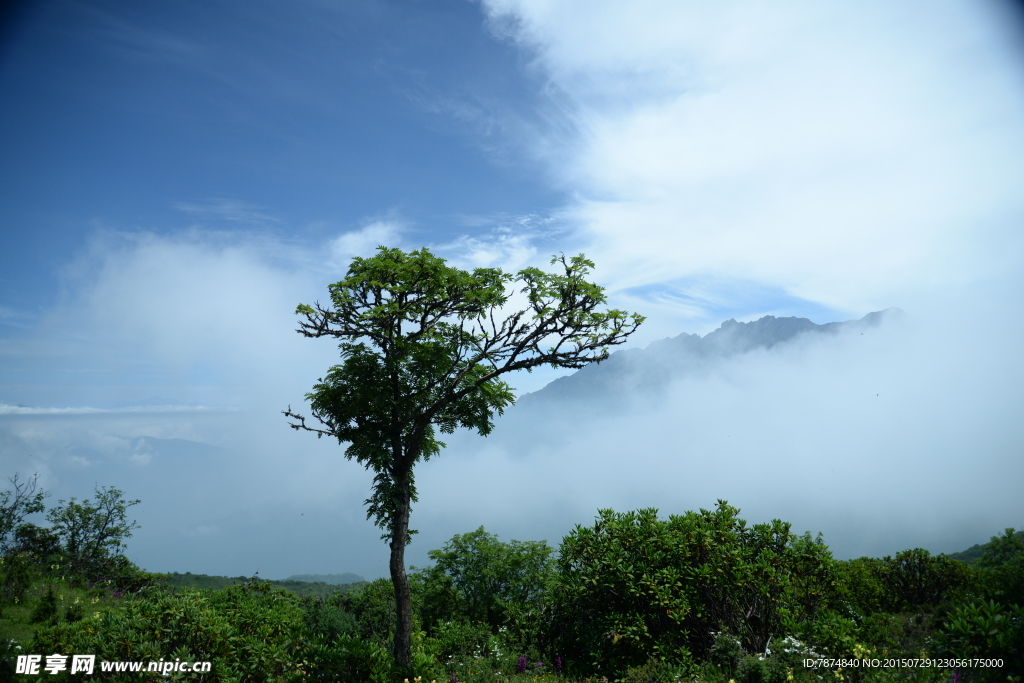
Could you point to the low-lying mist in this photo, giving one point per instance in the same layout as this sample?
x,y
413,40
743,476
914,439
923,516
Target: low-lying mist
x,y
906,434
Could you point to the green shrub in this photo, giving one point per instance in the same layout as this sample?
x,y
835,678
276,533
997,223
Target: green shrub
x,y
45,611
9,651
38,542
908,582
245,631
726,653
986,630
633,587
1002,567
348,659
328,619
15,577
478,578
655,671
373,607
915,578
752,669
860,584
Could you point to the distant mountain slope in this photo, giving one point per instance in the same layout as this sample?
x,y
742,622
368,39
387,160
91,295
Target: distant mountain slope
x,y
301,588
336,579
976,551
666,359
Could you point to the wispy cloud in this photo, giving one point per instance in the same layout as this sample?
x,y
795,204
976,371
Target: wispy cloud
x,y
231,210
84,410
14,318
856,156
512,243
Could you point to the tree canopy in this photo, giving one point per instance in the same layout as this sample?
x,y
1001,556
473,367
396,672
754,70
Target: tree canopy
x,y
423,347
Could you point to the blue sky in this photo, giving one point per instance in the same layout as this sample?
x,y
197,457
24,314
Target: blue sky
x,y
176,176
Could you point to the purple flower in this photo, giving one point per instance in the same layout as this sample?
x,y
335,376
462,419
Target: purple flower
x,y
956,675
453,679
521,665
558,664
539,666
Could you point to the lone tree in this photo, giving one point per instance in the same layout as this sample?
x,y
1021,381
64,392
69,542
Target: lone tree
x,y
423,346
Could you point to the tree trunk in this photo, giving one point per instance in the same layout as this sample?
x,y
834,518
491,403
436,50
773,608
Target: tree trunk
x,y
403,597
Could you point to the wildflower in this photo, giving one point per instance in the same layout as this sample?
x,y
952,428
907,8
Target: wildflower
x,y
521,665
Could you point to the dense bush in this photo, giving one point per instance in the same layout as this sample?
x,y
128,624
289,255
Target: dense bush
x,y
245,631
915,578
983,630
478,578
328,619
633,587
373,608
1002,568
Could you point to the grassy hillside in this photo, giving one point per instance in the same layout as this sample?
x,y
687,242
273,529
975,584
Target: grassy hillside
x,y
977,550
300,589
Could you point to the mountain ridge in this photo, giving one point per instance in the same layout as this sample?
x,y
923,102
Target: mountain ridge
x,y
661,360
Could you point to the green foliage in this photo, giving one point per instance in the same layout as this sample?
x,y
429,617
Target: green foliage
x,y
300,588
46,609
829,631
348,659
92,532
39,542
9,651
634,587
986,630
1002,567
479,578
15,577
726,652
915,578
912,580
327,619
655,671
245,631
373,608
15,505
861,584
459,640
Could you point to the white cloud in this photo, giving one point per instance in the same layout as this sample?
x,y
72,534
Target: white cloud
x,y
857,155
904,437
511,245
364,241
